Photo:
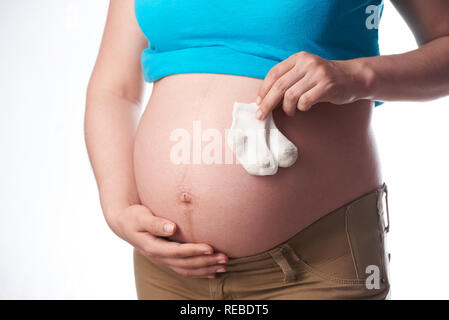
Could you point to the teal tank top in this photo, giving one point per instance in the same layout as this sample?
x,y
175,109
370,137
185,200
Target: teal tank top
x,y
249,37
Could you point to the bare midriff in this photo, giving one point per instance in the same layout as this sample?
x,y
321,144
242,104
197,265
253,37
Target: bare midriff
x,y
219,203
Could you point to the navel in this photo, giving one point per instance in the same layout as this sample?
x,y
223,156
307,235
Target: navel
x,y
185,197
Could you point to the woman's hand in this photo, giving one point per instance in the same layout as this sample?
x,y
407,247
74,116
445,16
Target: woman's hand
x,y
305,79
138,226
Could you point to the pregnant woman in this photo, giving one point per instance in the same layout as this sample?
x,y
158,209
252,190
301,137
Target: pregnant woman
x,y
208,229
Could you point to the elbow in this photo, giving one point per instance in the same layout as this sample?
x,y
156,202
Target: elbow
x,y
100,87
437,34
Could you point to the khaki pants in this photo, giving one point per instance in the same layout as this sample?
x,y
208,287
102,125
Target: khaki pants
x,y
340,256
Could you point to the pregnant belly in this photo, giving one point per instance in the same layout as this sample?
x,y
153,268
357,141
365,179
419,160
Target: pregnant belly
x,y
185,172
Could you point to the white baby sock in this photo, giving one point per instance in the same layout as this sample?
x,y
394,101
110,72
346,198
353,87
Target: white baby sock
x,y
283,150
247,139
258,144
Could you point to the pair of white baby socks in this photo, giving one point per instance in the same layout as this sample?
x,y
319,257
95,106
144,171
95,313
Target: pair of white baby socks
x,y
258,144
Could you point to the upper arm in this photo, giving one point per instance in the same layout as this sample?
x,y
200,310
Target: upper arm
x,y
428,19
118,69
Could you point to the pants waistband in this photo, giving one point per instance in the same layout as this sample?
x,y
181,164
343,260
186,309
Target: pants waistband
x,y
328,228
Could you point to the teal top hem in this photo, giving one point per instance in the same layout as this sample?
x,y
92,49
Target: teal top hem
x,y
213,59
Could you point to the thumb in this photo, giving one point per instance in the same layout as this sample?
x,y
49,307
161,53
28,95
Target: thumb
x,y
156,226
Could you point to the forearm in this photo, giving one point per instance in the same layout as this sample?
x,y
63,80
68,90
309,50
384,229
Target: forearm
x,y
110,125
422,74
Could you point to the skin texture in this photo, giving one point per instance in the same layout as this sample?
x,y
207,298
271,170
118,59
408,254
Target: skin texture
x,y
114,99
337,162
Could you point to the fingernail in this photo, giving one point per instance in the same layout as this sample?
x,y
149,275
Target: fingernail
x,y
258,114
221,261
258,100
207,252
221,270
211,277
168,227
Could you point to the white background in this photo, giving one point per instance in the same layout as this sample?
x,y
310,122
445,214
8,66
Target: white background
x,y
54,243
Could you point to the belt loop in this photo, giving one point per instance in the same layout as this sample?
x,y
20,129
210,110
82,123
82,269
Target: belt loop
x,y
387,228
383,190
281,260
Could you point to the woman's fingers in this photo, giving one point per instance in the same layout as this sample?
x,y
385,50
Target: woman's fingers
x,y
149,230
187,259
159,247
196,262
142,229
277,91
293,94
206,272
311,97
190,259
273,75
305,79
148,222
